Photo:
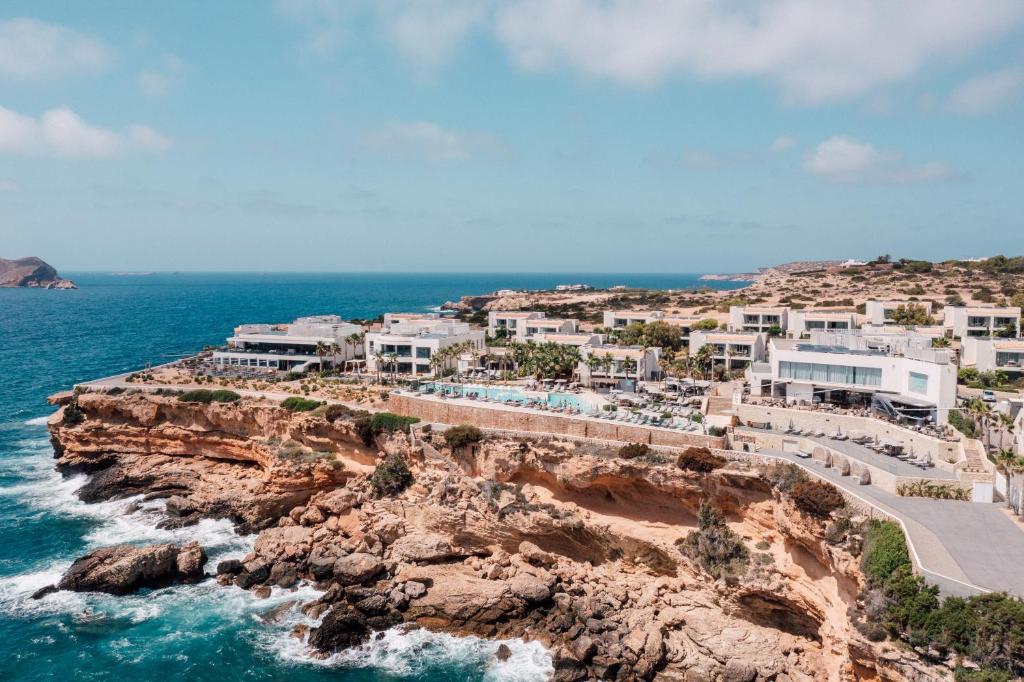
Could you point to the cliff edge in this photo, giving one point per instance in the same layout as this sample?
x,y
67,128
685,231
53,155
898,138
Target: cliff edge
x,y
31,272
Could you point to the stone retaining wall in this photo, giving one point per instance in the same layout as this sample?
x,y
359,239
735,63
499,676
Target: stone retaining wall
x,y
489,416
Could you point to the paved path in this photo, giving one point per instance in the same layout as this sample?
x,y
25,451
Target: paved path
x,y
956,542
893,465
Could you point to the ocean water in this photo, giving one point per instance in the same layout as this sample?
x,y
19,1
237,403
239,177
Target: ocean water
x,y
116,323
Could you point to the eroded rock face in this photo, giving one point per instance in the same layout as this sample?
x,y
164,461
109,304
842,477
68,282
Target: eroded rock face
x,y
124,569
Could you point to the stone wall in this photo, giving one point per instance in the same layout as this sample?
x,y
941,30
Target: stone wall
x,y
489,416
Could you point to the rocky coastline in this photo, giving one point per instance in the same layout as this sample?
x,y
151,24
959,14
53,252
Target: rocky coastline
x,y
530,538
31,273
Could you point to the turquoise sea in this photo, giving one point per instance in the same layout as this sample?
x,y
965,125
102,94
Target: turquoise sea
x,y
115,323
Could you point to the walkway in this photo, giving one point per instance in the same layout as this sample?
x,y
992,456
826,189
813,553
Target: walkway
x,y
960,545
893,465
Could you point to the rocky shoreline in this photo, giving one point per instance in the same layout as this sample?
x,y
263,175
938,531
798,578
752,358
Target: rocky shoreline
x,y
528,538
31,273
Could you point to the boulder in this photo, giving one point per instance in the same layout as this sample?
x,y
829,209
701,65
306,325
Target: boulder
x,y
529,588
738,670
421,547
341,629
535,555
357,568
124,569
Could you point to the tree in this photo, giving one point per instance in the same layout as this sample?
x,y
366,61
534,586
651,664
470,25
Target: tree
x,y
662,335
706,325
775,330
322,349
703,358
627,365
911,314
1007,463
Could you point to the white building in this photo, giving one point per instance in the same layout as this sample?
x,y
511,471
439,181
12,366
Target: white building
x,y
732,350
920,383
574,339
758,319
803,322
406,345
506,323
989,354
619,319
292,347
529,329
618,366
881,312
965,321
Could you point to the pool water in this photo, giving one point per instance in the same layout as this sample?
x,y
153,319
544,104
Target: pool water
x,y
503,393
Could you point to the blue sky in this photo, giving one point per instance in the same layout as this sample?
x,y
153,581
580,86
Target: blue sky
x,y
525,135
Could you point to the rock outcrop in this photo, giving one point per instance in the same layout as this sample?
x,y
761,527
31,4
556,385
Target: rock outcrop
x,y
124,568
31,272
529,537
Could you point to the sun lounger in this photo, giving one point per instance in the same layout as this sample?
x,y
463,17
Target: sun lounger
x,y
802,455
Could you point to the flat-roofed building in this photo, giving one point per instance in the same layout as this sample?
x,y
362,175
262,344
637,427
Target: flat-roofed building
x,y
966,321
506,323
528,329
803,322
759,319
731,350
575,339
407,345
881,313
918,383
618,319
618,366
990,354
292,347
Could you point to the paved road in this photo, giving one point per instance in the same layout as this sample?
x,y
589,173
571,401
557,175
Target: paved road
x,y
969,542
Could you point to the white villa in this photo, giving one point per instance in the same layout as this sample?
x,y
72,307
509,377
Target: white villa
x,y
915,382
965,321
618,319
803,322
989,354
575,339
507,322
618,366
881,312
733,350
529,329
291,347
757,319
406,344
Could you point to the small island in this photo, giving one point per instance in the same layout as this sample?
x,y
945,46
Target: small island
x,y
31,272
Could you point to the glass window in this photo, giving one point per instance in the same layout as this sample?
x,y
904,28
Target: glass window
x,y
918,382
422,352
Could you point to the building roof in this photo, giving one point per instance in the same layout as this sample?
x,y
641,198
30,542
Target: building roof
x,y
762,310
731,338
1009,345
513,313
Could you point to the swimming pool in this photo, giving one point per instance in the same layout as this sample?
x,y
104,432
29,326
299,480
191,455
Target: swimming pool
x,y
505,393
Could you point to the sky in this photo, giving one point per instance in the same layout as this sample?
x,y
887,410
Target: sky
x,y
516,135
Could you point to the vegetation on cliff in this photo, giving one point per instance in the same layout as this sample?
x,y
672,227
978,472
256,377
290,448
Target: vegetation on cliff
x,y
299,404
817,498
370,426
700,460
462,435
391,477
203,395
714,546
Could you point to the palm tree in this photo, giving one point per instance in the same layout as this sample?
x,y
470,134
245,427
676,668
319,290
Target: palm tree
x,y
703,359
628,365
335,350
980,412
1006,426
1007,463
392,359
378,361
322,349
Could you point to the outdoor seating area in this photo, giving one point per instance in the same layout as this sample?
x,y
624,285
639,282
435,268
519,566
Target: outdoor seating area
x,y
883,446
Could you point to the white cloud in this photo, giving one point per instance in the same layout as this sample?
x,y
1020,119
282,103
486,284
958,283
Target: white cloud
x,y
814,50
8,186
34,50
159,81
984,93
427,32
62,133
429,140
782,143
844,159
325,21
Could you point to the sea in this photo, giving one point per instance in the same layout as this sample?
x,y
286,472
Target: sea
x,y
119,322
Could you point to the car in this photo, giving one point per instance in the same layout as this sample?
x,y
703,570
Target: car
x,y
988,396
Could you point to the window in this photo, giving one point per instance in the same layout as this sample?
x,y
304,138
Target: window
x,y
918,383
423,353
831,374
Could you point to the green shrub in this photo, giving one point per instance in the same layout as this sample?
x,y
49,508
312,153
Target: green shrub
x,y
785,476
204,395
370,426
462,435
885,550
817,498
714,546
634,450
116,390
391,477
701,460
73,414
963,424
298,404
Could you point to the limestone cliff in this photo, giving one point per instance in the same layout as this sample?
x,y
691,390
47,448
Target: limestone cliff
x,y
31,272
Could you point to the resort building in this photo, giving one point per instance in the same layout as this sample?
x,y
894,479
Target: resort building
x,y
618,366
758,319
618,319
575,339
918,384
880,313
506,323
527,330
731,350
295,347
410,346
965,321
685,323
803,322
991,354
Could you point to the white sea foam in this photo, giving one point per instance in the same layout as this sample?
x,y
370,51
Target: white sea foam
x,y
404,651
38,421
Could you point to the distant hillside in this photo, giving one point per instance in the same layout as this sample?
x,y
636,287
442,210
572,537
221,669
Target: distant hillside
x,y
31,272
786,268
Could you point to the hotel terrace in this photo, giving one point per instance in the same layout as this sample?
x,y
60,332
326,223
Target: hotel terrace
x,y
290,347
757,319
506,323
575,339
803,322
530,328
880,313
407,344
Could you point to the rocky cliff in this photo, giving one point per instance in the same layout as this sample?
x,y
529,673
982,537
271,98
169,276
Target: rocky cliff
x,y
31,272
535,538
